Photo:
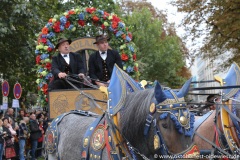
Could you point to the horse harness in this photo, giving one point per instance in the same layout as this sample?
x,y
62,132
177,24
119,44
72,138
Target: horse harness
x,y
180,114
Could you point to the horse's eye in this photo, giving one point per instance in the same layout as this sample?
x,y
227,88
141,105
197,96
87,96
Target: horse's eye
x,y
164,125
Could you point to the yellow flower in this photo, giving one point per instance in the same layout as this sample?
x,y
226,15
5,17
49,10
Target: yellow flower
x,y
45,47
56,16
73,29
110,17
105,24
47,60
38,81
44,73
54,20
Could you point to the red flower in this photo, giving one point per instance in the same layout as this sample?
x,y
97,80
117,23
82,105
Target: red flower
x,y
43,40
95,18
103,27
123,36
56,26
130,35
38,59
135,68
124,57
106,14
90,10
71,12
50,20
45,30
46,99
67,24
115,19
48,66
134,57
114,25
67,16
115,31
81,22
49,49
45,89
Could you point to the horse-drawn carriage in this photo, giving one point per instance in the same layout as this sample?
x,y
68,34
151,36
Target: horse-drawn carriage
x,y
127,121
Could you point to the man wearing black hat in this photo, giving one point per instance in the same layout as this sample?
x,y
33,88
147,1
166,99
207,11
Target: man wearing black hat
x,y
101,63
65,63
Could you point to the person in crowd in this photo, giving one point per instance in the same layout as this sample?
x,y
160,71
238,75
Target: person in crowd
x,y
23,135
40,139
35,133
21,114
10,114
2,134
211,99
65,63
101,63
13,132
9,145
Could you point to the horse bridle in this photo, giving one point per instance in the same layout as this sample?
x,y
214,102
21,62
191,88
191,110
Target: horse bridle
x,y
165,107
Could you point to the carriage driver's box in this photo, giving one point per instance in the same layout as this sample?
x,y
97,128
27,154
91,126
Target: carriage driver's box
x,y
61,101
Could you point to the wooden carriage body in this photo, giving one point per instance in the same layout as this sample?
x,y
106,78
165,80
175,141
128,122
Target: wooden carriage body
x,y
62,101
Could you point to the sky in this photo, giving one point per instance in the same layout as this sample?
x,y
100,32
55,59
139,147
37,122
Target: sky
x,y
172,14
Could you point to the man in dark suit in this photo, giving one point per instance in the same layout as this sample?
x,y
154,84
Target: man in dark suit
x,y
101,63
65,63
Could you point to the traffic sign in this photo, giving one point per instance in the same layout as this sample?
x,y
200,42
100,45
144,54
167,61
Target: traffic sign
x,y
5,88
17,90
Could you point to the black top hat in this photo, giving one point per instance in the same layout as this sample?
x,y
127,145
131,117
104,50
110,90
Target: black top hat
x,y
101,38
61,40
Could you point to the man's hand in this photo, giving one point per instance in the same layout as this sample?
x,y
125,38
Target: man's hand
x,y
81,75
101,84
62,75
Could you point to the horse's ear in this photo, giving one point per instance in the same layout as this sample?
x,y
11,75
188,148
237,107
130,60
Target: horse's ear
x,y
159,94
184,89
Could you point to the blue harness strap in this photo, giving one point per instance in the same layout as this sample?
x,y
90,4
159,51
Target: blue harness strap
x,y
87,139
199,121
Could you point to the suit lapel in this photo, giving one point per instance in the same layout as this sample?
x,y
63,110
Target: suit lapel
x,y
99,60
62,62
109,57
71,61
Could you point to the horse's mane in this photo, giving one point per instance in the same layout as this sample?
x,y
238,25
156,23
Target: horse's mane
x,y
134,113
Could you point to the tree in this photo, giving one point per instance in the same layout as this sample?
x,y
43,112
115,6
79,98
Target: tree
x,y
161,53
220,22
19,21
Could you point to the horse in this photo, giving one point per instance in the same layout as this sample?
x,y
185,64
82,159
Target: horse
x,y
221,126
151,124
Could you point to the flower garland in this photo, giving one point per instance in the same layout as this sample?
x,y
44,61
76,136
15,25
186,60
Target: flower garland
x,y
70,21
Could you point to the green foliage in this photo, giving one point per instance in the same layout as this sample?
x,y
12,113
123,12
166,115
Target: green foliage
x,y
161,57
219,20
19,20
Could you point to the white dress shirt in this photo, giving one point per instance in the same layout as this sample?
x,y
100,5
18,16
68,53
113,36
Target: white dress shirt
x,y
66,57
104,56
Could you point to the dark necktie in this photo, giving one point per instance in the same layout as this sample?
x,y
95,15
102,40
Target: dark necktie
x,y
103,52
65,55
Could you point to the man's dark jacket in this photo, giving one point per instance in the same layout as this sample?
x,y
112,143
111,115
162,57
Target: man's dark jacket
x,y
95,63
59,64
35,132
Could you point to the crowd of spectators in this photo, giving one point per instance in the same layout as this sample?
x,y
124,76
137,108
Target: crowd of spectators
x,y
22,134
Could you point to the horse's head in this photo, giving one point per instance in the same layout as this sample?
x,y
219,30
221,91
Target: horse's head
x,y
170,123
157,122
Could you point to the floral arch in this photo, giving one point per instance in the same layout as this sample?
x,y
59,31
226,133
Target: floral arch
x,y
70,22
